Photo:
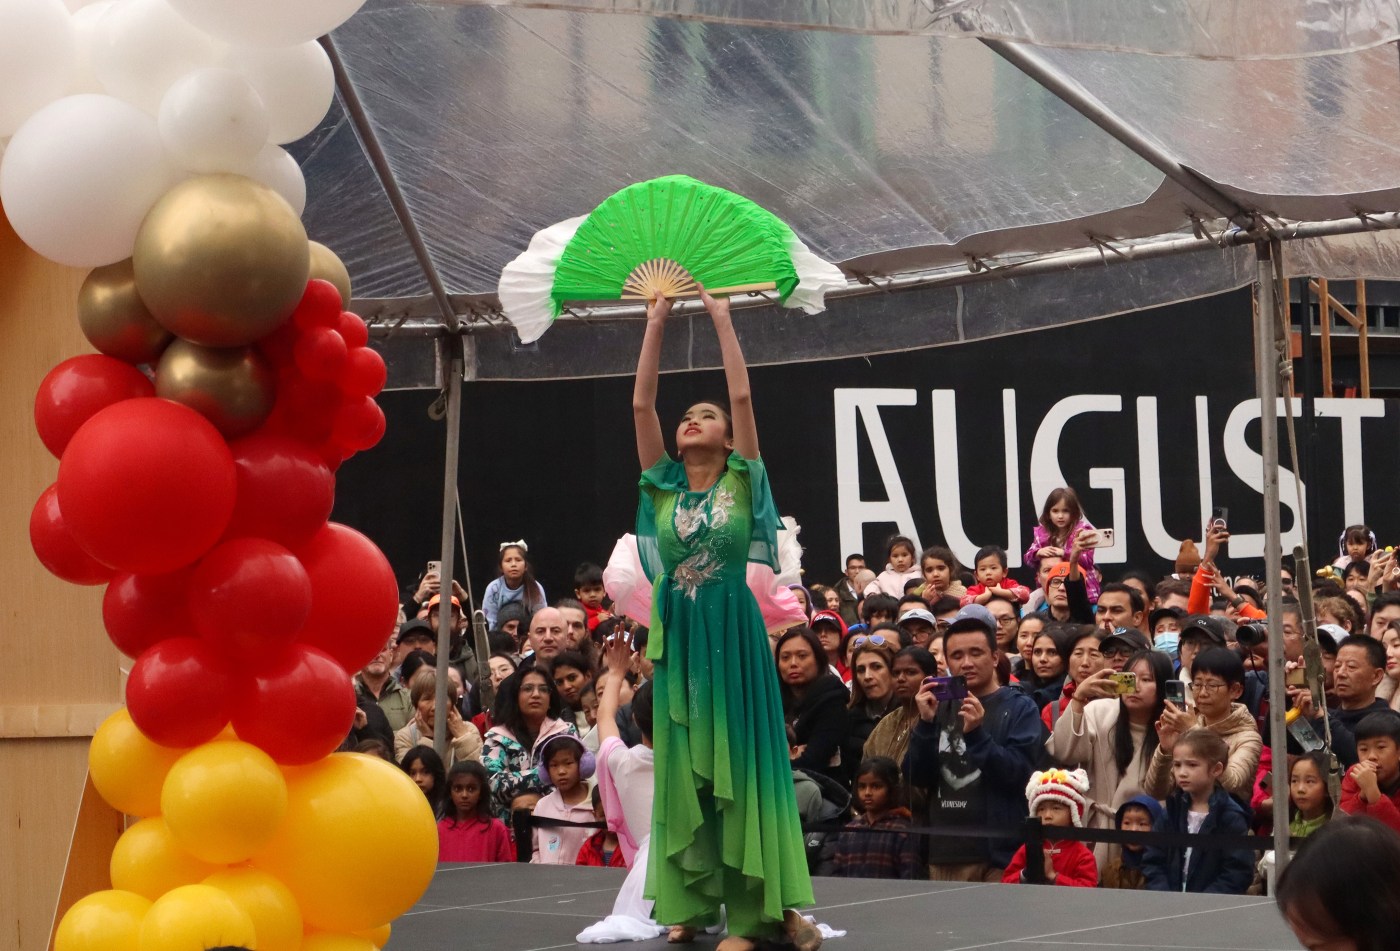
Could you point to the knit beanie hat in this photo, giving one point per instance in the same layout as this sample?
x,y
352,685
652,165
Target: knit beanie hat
x,y
1188,558
1068,786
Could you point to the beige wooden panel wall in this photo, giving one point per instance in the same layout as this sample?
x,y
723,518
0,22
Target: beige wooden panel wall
x,y
59,675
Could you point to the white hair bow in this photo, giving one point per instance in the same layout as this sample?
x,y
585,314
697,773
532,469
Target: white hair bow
x,y
516,544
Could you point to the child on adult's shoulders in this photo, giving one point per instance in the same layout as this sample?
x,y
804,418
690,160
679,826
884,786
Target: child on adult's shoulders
x,y
992,581
1058,798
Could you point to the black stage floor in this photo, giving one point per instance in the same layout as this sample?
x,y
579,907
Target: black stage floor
x,y
542,908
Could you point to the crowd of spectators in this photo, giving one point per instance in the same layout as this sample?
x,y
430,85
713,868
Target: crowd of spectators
x,y
929,695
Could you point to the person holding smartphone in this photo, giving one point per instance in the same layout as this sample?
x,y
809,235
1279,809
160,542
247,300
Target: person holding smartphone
x,y
974,754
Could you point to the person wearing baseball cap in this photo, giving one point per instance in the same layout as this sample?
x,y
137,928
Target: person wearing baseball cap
x,y
831,631
1066,596
920,625
974,748
1120,644
1198,632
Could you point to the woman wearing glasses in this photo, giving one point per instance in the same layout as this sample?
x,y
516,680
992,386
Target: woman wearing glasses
x,y
526,712
726,830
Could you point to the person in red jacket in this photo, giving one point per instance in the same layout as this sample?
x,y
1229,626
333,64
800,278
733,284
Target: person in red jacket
x,y
1372,786
602,849
992,581
1058,798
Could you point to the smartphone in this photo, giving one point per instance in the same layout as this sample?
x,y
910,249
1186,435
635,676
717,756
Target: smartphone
x,y
434,568
1124,682
1297,677
948,688
1105,538
1219,517
1175,692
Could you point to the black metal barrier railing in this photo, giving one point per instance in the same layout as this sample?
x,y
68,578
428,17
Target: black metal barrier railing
x,y
1031,833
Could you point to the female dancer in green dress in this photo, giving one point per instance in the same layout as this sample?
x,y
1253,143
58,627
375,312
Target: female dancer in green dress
x,y
725,830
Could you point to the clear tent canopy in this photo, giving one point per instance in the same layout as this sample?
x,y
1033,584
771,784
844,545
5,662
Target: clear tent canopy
x,y
976,168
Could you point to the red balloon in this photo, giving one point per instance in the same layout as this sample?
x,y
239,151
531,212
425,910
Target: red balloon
x,y
359,424
319,307
140,611
304,410
354,597
277,347
249,597
147,485
285,490
58,551
353,329
76,389
297,709
320,353
180,692
364,373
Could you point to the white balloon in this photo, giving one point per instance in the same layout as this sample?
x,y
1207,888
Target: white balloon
x,y
267,22
37,55
142,46
85,23
213,120
276,169
79,177
296,82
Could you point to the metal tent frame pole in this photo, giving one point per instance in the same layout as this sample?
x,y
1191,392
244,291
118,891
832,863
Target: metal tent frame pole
x,y
1266,354
453,367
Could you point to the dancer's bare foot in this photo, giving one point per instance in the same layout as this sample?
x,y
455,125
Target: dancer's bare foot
x,y
680,934
736,943
803,934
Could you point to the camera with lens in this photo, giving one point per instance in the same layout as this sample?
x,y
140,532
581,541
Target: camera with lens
x,y
1252,633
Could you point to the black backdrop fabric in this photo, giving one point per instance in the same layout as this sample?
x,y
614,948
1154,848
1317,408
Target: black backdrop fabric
x,y
955,444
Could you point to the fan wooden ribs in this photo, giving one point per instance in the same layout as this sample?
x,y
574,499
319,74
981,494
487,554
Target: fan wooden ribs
x,y
663,277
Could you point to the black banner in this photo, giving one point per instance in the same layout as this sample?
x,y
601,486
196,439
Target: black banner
x,y
1150,416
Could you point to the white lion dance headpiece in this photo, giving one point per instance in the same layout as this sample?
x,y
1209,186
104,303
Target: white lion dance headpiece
x,y
1069,786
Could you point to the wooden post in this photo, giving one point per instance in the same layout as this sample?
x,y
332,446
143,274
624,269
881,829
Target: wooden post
x,y
1363,343
43,748
1324,314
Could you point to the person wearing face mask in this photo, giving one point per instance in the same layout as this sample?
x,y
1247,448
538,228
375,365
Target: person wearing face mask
x,y
1164,627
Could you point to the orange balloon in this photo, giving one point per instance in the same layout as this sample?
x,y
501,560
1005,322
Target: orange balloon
x,y
148,861
379,936
319,850
270,904
127,768
336,941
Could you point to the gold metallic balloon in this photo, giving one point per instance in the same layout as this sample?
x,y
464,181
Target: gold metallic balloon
x,y
328,267
221,260
114,318
234,388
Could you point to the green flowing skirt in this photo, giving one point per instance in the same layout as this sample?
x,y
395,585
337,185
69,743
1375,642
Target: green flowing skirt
x,y
725,828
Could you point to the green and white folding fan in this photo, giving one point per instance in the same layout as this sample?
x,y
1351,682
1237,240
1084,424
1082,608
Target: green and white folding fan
x,y
660,238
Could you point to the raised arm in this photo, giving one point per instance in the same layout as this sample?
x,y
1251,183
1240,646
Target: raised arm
x,y
651,445
736,375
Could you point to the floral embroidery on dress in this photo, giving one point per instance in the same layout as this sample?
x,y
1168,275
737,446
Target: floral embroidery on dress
x,y
695,520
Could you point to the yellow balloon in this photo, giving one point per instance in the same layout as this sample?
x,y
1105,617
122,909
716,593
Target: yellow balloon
x,y
319,850
103,921
127,768
327,266
223,801
148,861
270,904
332,941
232,387
379,937
115,319
221,260
195,918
